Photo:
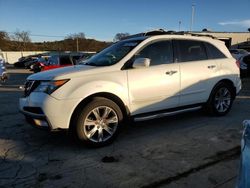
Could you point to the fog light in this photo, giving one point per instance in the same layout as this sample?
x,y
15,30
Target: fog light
x,y
41,123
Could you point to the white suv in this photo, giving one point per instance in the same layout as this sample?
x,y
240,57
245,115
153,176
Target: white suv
x,y
146,76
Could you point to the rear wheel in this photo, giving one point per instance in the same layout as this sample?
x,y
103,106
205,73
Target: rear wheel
x,y
98,122
221,99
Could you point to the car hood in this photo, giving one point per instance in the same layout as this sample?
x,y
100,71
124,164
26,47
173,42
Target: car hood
x,y
66,72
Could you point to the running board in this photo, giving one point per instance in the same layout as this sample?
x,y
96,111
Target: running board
x,y
164,114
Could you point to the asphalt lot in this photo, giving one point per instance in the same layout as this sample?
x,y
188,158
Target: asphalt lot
x,y
187,150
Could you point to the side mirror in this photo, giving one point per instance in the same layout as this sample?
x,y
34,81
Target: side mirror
x,y
141,62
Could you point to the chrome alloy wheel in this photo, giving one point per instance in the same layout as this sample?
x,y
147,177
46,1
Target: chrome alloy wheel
x,y
100,124
222,99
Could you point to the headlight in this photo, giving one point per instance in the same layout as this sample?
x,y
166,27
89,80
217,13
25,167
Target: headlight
x,y
50,86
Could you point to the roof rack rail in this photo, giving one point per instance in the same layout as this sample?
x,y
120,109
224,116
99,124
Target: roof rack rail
x,y
163,32
149,33
201,35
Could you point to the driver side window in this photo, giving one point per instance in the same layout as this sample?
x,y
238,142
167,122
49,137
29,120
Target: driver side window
x,y
158,52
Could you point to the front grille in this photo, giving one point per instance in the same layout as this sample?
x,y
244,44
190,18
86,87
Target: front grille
x,y
30,85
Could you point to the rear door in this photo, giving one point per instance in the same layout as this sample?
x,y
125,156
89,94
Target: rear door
x,y
197,71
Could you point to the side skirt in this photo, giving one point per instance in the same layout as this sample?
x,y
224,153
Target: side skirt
x,y
164,113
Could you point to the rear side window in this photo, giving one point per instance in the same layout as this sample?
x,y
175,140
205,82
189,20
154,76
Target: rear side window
x,y
189,50
213,52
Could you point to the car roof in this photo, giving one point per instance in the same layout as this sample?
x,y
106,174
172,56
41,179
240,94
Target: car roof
x,y
159,34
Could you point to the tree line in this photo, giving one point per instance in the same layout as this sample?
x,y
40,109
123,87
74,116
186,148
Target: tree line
x,y
21,41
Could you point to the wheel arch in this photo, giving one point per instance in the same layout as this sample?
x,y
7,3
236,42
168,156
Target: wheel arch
x,y
110,96
209,107
226,81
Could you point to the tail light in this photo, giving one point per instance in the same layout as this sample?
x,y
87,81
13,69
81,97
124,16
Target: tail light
x,y
41,64
238,63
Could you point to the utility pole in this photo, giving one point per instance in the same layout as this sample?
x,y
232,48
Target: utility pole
x,y
179,25
192,18
77,47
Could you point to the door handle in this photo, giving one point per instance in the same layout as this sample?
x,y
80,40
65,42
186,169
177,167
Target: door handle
x,y
170,73
211,66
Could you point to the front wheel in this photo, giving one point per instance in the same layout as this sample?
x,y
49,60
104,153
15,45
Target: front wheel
x,y
221,99
98,122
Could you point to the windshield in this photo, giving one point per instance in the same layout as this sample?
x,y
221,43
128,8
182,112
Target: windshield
x,y
112,54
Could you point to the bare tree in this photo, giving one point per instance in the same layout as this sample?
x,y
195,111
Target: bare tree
x,y
120,36
22,38
78,37
4,40
4,35
74,36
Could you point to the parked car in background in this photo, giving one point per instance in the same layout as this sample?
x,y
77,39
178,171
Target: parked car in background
x,y
3,72
242,56
31,62
57,61
238,53
146,76
41,61
61,60
27,61
245,65
244,172
21,61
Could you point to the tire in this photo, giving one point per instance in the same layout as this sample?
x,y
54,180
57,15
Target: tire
x,y
221,99
36,70
98,123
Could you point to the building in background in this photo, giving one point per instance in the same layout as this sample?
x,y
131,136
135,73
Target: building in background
x,y
232,39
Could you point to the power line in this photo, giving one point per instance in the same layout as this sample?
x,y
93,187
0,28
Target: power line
x,y
39,35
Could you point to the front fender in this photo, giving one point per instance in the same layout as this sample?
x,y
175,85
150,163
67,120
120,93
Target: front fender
x,y
80,88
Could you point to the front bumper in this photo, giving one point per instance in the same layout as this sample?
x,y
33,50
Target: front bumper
x,y
47,112
37,120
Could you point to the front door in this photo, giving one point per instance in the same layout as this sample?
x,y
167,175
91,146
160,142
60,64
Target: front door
x,y
155,87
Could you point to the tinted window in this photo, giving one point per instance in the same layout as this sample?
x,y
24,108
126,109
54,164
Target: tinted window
x,y
159,53
189,50
53,60
65,60
234,51
213,52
